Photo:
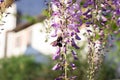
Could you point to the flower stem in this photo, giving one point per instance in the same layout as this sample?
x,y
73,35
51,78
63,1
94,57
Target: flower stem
x,y
65,66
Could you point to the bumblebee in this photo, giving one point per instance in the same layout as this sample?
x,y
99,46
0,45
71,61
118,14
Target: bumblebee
x,y
57,42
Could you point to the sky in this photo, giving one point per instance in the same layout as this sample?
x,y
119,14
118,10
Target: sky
x,y
30,7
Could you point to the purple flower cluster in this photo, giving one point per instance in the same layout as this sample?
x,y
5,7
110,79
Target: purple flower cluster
x,y
104,17
66,21
67,17
1,1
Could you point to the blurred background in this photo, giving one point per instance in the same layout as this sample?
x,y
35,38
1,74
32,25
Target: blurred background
x,y
25,50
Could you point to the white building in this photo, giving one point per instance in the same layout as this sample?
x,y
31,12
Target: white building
x,y
22,38
30,36
8,25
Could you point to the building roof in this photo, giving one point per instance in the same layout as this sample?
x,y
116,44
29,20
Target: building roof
x,y
22,26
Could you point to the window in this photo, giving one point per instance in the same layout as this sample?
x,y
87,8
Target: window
x,y
18,42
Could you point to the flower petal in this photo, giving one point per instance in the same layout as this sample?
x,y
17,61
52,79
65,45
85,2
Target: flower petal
x,y
74,44
56,67
77,37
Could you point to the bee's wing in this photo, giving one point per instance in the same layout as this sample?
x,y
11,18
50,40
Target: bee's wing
x,y
54,43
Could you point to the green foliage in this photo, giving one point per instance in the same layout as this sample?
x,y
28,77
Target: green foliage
x,y
19,68
46,12
29,18
25,68
107,72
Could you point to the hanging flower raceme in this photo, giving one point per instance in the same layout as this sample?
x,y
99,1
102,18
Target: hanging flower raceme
x,y
103,16
65,21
